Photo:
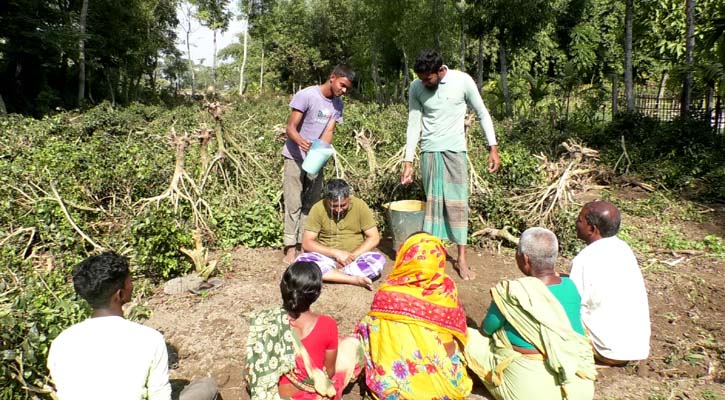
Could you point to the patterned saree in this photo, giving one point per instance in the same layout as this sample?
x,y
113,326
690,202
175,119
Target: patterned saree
x,y
563,370
413,314
273,350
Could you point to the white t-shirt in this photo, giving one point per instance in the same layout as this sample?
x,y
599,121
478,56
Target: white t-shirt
x,y
110,358
615,309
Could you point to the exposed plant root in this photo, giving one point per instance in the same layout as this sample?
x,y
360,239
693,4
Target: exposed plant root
x,y
365,141
205,135
242,175
475,182
573,171
177,189
497,233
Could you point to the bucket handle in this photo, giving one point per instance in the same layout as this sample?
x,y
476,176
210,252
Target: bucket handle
x,y
390,198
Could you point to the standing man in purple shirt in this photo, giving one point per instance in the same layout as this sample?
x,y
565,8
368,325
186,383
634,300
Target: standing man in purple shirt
x,y
315,112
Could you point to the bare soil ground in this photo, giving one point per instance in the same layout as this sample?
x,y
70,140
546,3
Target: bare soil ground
x,y
207,334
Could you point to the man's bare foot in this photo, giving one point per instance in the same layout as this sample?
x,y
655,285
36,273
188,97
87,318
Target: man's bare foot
x,y
290,253
462,264
465,272
364,281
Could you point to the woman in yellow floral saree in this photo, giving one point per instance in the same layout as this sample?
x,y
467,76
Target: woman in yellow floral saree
x,y
414,330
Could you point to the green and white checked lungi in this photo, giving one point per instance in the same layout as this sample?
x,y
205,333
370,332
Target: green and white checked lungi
x,y
445,180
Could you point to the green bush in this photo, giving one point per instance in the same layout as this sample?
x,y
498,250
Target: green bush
x,y
685,154
157,235
37,305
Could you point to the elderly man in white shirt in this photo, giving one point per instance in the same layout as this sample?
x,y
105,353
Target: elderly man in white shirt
x,y
615,309
106,356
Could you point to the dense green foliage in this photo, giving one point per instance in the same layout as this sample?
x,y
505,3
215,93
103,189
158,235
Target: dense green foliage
x,y
544,49
684,154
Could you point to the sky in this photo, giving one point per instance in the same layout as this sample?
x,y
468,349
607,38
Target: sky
x,y
202,38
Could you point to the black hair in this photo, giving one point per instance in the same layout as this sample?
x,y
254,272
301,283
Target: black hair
x,y
428,61
97,278
337,189
344,71
300,286
604,216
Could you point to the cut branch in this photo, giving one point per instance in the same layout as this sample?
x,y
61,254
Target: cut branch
x,y
85,237
497,233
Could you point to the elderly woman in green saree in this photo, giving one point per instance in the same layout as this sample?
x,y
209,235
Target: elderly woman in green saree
x,y
533,344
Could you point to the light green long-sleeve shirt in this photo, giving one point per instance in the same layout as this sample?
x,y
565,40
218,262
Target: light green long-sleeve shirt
x,y
442,112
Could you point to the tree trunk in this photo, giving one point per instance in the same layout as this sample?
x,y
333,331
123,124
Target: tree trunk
x,y
88,86
479,62
460,6
689,46
406,81
213,67
660,93
188,53
82,54
436,11
710,94
111,90
504,79
463,46
615,94
628,80
376,78
244,65
261,72
718,113
3,110
152,76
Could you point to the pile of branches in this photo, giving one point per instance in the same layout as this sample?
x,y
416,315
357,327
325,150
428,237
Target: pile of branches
x,y
575,171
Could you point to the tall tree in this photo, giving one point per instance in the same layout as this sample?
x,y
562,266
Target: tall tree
x,y
516,23
460,6
214,15
689,48
82,53
628,79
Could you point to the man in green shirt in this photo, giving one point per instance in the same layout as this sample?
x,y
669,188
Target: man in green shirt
x,y
340,234
438,100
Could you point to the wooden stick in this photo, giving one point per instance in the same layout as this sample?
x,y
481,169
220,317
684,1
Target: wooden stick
x,y
677,252
497,233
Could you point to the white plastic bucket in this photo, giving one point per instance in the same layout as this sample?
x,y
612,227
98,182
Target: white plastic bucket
x,y
318,155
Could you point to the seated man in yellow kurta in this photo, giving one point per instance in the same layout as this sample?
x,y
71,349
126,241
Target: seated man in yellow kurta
x,y
340,234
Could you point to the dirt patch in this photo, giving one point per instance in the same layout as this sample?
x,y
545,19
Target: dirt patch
x,y
207,334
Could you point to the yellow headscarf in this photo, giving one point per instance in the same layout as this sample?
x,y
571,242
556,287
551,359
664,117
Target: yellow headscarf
x,y
419,291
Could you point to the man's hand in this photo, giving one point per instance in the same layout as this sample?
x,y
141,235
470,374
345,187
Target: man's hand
x,y
343,258
304,144
407,176
493,160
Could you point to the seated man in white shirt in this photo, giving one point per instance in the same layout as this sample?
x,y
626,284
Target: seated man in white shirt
x,y
615,309
107,356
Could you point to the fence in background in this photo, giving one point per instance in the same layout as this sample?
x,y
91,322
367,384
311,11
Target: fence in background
x,y
667,106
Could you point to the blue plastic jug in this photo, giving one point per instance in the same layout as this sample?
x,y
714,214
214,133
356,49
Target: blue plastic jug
x,y
318,155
